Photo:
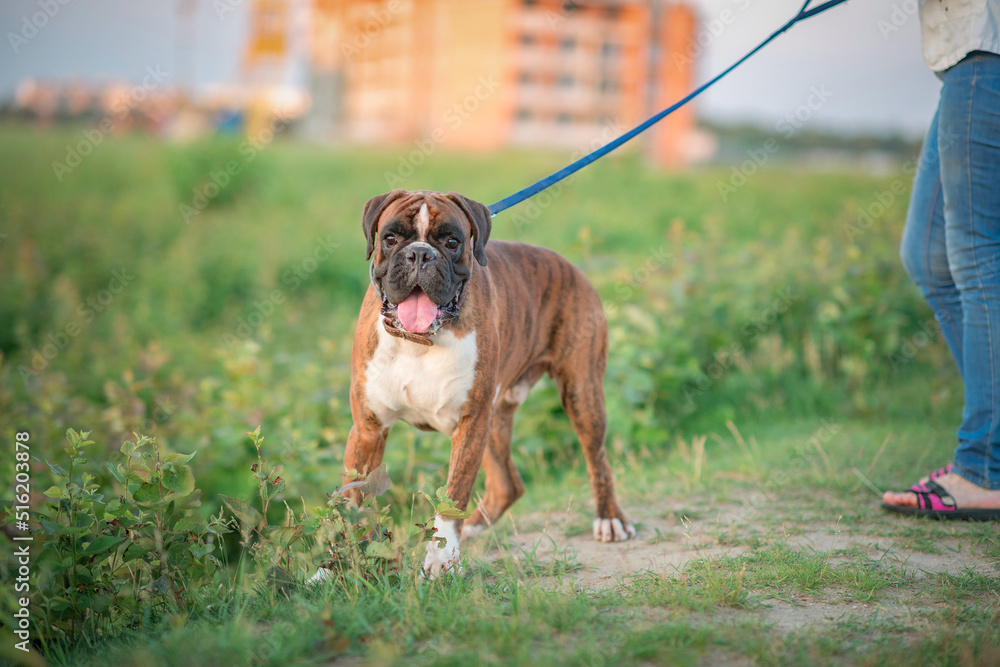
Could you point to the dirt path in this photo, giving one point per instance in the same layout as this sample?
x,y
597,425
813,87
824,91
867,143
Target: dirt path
x,y
667,546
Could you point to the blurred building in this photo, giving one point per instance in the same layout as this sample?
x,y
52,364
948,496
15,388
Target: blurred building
x,y
482,74
143,106
264,60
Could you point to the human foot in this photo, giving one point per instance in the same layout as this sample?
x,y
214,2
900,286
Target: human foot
x,y
940,472
945,496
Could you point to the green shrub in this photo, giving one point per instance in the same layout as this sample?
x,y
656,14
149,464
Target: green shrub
x,y
116,557
109,556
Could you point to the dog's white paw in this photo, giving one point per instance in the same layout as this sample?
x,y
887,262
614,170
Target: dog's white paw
x,y
445,558
322,574
612,530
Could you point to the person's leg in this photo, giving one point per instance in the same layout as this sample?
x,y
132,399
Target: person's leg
x,y
969,150
922,249
969,146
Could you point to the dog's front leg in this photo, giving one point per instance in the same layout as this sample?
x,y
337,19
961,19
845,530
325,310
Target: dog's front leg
x,y
365,447
467,447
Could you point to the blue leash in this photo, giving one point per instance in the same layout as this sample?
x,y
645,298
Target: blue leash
x,y
552,179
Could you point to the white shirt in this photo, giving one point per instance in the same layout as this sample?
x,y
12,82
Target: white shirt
x,y
951,29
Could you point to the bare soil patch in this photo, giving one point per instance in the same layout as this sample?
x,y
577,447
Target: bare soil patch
x,y
666,546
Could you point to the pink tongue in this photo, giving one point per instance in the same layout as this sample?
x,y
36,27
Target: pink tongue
x,y
417,312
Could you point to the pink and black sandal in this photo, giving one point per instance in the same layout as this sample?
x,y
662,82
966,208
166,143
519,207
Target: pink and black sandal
x,y
941,472
936,503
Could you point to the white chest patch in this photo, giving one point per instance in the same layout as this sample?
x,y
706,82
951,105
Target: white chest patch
x,y
421,385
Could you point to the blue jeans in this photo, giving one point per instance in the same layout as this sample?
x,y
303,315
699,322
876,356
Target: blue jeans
x,y
951,249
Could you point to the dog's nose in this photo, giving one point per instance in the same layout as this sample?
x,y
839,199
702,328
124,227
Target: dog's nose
x,y
418,256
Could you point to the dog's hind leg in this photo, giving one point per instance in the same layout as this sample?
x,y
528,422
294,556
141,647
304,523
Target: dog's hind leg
x,y
581,386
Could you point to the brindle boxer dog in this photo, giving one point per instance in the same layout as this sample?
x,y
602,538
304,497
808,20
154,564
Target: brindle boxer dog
x,y
452,334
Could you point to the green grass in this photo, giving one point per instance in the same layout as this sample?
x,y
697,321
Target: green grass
x,y
743,438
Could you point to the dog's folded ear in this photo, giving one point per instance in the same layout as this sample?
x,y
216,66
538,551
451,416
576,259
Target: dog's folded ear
x,y
482,223
373,211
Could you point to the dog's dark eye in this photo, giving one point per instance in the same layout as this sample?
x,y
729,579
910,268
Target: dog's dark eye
x,y
452,244
390,240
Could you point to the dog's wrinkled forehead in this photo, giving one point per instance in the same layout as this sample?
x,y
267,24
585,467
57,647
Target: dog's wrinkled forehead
x,y
421,212
424,212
